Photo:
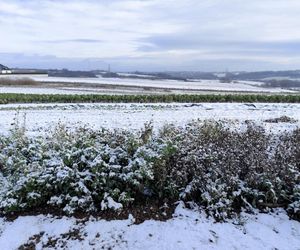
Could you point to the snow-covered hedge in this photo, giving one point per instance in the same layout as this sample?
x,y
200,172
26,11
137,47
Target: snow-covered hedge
x,y
228,171
85,170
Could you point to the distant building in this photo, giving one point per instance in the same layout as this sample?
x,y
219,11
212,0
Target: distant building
x,y
5,72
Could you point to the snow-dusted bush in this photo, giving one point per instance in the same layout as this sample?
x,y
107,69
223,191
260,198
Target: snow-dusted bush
x,y
287,162
84,170
226,171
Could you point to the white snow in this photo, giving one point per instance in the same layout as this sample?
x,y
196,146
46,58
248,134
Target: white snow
x,y
40,117
138,75
254,83
188,229
78,90
109,202
220,74
50,91
204,85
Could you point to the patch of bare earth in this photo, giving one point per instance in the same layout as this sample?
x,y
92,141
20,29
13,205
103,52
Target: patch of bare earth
x,y
285,119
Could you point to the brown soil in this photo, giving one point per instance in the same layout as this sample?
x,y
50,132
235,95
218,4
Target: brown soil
x,y
281,119
151,210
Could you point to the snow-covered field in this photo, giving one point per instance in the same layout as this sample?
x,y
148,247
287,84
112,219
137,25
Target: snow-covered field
x,y
186,230
40,117
198,85
67,90
51,91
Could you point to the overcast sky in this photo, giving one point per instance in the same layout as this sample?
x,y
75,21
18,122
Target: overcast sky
x,y
204,35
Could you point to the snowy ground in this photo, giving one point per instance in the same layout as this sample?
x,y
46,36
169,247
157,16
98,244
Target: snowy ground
x,y
64,90
186,230
47,90
40,117
196,85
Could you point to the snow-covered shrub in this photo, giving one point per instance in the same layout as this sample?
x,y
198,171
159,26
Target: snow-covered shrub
x,y
226,171
294,207
75,170
287,161
223,170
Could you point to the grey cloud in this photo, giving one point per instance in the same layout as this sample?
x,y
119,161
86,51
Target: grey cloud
x,y
153,34
79,40
191,42
48,61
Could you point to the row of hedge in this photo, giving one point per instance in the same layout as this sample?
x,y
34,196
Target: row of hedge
x,y
57,98
88,171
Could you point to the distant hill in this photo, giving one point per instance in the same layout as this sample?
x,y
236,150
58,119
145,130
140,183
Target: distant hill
x,y
2,67
294,74
230,76
69,73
